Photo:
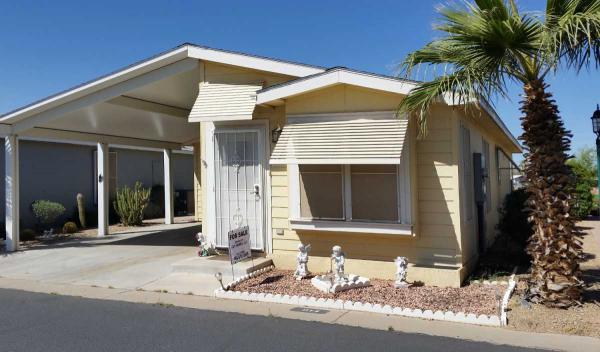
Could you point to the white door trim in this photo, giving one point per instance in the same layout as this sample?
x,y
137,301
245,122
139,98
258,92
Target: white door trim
x,y
209,223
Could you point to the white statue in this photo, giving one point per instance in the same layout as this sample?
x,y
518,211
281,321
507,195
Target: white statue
x,y
336,280
339,259
205,248
401,270
302,262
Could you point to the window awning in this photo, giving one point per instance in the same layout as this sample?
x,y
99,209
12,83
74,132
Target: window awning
x,y
224,102
335,140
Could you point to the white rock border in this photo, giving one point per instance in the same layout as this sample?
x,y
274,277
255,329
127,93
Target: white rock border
x,y
329,303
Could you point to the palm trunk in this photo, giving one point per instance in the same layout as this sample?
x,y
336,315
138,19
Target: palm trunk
x,y
555,246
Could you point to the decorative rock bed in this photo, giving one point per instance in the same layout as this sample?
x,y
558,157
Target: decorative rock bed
x,y
473,304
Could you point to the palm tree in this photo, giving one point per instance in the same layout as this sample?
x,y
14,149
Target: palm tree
x,y
486,45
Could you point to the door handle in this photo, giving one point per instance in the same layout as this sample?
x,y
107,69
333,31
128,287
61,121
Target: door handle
x,y
256,190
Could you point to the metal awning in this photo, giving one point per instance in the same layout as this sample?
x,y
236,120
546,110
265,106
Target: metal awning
x,y
224,102
337,139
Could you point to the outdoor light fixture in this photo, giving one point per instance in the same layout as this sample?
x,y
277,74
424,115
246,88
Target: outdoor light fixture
x,y
596,128
276,133
219,278
596,121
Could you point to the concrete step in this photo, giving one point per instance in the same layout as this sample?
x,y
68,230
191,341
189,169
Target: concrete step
x,y
219,263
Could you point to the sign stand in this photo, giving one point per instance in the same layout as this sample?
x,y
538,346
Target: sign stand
x,y
239,246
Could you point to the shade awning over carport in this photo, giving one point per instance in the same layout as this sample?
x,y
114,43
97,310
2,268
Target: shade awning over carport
x,y
335,140
224,102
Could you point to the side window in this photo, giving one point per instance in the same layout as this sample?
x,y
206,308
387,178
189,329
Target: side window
x,y
488,184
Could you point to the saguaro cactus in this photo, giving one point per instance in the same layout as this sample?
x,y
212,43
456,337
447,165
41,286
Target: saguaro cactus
x,y
81,210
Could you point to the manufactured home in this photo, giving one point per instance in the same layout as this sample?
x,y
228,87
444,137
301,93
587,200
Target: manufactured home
x,y
299,153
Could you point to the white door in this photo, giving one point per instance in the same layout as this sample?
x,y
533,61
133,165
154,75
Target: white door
x,y
238,160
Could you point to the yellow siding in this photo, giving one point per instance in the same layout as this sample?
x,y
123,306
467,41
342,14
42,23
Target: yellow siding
x,y
437,249
435,246
481,129
217,73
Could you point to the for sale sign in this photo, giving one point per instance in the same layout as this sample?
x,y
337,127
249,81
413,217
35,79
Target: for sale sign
x,y
239,244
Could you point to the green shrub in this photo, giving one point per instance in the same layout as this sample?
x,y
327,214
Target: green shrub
x,y
583,200
130,204
27,235
69,227
46,212
513,217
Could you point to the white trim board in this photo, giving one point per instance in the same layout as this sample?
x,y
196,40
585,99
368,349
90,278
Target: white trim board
x,y
331,78
352,226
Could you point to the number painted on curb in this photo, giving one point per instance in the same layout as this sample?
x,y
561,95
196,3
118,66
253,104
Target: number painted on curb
x,y
309,310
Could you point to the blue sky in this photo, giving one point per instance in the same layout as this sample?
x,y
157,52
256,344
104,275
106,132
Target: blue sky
x,y
48,46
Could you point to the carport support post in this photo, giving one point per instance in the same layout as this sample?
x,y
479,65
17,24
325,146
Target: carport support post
x,y
102,160
11,182
168,168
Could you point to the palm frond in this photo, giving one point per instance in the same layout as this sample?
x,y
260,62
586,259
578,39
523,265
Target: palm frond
x,y
462,87
572,33
485,45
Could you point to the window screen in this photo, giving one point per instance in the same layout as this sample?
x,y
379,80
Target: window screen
x,y
374,192
467,173
488,184
321,192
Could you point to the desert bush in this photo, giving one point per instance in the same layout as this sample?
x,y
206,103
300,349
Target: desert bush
x,y
69,227
583,200
584,168
27,235
130,204
513,217
46,212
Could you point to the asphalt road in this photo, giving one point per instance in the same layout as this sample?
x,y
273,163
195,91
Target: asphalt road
x,y
43,322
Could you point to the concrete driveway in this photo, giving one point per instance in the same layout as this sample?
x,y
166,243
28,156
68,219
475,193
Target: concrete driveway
x,y
135,260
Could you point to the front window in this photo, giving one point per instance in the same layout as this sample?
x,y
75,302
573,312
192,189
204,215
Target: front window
x,y
321,192
362,193
374,192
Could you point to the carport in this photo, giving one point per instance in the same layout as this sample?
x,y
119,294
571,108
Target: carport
x,y
145,105
152,104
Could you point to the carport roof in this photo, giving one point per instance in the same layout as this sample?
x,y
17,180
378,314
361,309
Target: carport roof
x,y
144,104
185,50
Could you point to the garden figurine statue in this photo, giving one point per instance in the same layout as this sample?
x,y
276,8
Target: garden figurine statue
x,y
206,249
339,259
302,262
401,270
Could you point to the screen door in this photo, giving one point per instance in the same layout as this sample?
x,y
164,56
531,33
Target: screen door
x,y
239,184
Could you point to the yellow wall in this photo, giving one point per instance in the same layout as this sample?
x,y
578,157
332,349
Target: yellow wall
x,y
436,251
481,129
435,247
218,73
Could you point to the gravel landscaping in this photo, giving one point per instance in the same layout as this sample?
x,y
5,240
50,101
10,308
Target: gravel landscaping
x,y
582,320
475,298
579,320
